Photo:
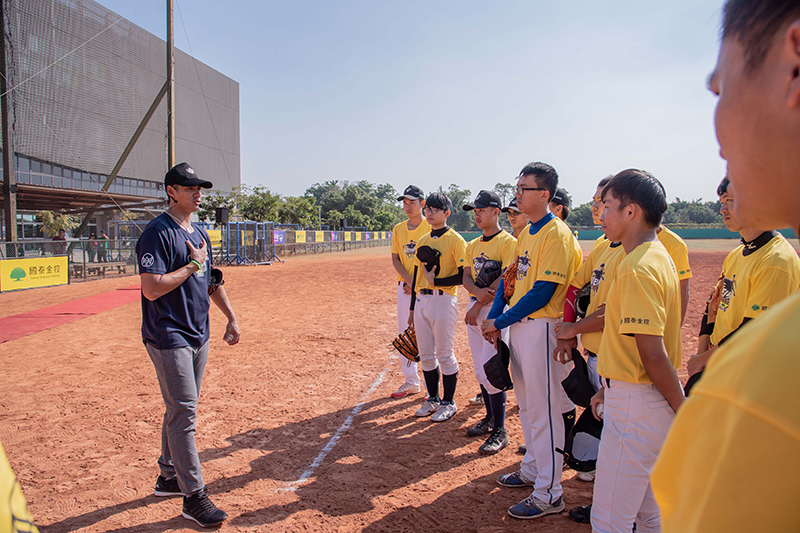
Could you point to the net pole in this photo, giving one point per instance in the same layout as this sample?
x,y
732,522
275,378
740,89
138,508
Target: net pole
x,y
171,84
9,173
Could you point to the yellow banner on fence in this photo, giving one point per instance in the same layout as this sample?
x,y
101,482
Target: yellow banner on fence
x,y
299,236
216,237
320,236
383,235
348,236
358,235
248,238
18,274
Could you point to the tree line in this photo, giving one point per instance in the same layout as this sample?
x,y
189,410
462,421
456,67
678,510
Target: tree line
x,y
338,203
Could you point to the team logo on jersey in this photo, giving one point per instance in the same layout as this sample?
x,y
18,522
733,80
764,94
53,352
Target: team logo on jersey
x,y
477,263
147,260
522,267
728,292
597,278
409,249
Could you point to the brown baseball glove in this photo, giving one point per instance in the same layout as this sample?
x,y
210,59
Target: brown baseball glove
x,y
406,344
510,279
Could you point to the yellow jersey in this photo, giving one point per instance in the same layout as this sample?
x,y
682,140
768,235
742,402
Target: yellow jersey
x,y
404,243
754,278
453,250
598,270
644,298
737,436
14,514
677,250
553,254
501,248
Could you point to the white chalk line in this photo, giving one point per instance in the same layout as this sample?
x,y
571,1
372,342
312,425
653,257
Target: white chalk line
x,y
294,485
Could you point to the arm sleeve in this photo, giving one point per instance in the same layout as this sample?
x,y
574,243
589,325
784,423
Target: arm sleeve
x,y
413,289
570,314
499,302
151,250
642,305
535,299
728,336
449,281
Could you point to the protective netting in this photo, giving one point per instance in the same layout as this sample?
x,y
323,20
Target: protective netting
x,y
82,78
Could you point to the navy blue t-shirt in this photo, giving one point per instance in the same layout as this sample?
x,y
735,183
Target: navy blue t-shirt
x,y
180,317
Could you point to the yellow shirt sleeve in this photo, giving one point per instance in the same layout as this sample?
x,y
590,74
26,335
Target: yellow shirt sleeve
x,y
678,251
642,309
555,263
769,287
509,251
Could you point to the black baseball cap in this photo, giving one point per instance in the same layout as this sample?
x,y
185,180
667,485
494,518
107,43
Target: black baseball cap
x,y
439,200
560,197
512,206
484,199
412,192
183,174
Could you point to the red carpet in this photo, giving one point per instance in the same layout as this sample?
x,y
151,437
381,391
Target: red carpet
x,y
14,327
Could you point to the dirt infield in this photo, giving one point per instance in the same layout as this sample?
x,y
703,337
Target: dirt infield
x,y
306,393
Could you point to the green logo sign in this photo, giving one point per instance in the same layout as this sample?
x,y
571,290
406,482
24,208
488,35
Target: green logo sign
x,y
547,272
17,274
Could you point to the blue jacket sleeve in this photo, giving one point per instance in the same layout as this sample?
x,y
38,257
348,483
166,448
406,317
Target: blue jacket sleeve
x,y
499,301
535,299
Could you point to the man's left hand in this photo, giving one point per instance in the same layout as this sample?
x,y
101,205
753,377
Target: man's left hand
x,y
232,333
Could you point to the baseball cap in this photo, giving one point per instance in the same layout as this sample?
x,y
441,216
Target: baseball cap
x,y
560,197
412,192
484,199
183,174
512,206
439,200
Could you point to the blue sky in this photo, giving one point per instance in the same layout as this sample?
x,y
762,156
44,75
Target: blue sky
x,y
467,92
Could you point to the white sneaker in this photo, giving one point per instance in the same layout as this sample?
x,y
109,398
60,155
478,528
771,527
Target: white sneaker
x,y
586,476
445,411
429,406
405,389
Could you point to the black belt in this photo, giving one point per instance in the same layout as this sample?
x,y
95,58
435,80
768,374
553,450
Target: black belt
x,y
590,353
429,291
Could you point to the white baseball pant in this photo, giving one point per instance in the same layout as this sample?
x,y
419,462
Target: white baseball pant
x,y
636,419
482,350
435,317
408,367
537,386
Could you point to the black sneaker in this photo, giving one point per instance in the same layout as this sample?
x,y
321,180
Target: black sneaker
x,y
582,515
167,487
496,442
201,509
484,427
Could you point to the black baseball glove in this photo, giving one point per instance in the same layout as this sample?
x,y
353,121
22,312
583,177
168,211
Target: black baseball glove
x,y
429,257
491,271
214,280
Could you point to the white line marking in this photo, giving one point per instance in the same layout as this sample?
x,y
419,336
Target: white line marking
x,y
294,485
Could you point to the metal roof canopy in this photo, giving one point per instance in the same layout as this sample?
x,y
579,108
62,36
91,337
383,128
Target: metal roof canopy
x,y
41,198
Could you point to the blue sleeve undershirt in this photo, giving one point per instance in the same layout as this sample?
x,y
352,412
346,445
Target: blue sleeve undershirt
x,y
535,299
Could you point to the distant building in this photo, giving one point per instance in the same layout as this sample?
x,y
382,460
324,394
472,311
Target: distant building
x,y
83,78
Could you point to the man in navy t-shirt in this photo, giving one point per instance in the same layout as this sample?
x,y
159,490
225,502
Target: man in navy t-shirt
x,y
174,262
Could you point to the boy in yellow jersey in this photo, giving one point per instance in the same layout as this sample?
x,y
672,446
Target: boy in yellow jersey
x,y
598,271
495,250
405,236
548,256
434,308
756,275
560,204
728,461
14,514
639,353
517,220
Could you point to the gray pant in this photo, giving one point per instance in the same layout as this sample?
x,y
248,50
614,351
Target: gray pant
x,y
180,374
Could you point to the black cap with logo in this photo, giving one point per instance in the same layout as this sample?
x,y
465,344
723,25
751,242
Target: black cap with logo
x,y
560,197
512,206
484,199
412,192
183,174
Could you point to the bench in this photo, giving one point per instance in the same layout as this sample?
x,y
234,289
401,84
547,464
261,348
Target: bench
x,y
99,269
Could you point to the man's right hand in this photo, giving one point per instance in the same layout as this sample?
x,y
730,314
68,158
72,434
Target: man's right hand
x,y
197,254
563,350
411,319
484,296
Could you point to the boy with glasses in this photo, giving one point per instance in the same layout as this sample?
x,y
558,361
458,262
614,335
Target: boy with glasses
x,y
548,256
434,308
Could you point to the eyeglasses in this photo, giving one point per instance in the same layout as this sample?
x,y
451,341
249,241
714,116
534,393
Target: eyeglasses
x,y
521,190
513,214
430,210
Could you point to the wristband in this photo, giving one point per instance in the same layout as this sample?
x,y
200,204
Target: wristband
x,y
199,266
